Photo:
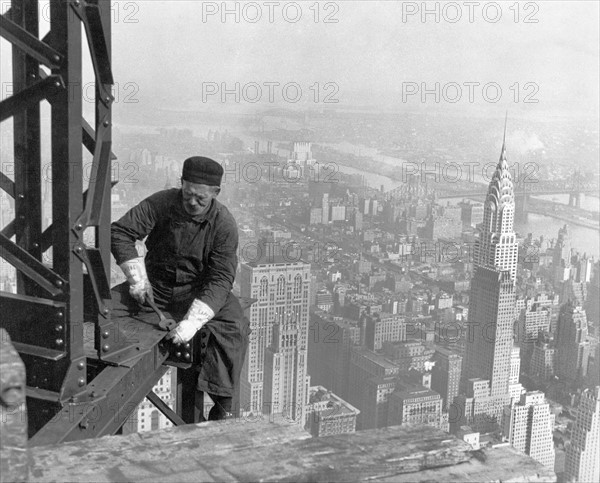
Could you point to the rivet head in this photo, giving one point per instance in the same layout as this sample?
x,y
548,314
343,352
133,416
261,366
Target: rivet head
x,y
106,311
106,123
21,196
78,226
107,99
80,366
59,284
105,334
187,356
178,354
59,314
56,59
58,328
81,381
187,346
57,84
36,245
105,347
78,249
59,341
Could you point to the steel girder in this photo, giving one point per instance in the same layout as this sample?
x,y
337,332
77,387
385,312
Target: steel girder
x,y
46,317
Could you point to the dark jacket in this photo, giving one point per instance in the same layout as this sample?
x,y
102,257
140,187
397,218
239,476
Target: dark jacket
x,y
192,257
183,251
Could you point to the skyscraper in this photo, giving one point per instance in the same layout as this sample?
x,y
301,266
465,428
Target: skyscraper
x,y
541,365
445,375
489,336
528,426
583,454
572,345
285,377
533,319
325,208
561,257
282,287
515,388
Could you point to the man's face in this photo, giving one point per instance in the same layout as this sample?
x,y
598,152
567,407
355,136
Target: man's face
x,y
197,197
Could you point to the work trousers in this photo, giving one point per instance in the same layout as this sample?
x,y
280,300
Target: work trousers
x,y
220,347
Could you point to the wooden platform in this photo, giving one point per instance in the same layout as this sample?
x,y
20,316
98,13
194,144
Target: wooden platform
x,y
264,450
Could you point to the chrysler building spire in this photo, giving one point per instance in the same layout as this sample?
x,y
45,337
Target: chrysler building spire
x,y
496,247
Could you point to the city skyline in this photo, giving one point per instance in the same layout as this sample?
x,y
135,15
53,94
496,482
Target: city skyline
x,y
416,192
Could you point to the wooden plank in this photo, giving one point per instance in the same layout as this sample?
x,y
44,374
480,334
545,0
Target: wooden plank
x,y
244,450
13,413
504,464
157,455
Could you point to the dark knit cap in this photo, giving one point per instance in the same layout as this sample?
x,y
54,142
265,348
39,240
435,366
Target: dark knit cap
x,y
200,170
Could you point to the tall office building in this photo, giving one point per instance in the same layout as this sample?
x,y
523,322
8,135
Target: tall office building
x,y
325,209
528,426
380,328
575,287
541,365
561,257
372,380
583,454
489,335
285,375
534,318
445,375
572,345
515,388
282,290
330,340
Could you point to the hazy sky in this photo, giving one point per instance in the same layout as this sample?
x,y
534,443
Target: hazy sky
x,y
371,52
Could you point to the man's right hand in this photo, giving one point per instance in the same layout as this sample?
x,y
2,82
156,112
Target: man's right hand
x,y
139,284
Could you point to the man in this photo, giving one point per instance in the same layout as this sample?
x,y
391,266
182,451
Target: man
x,y
189,271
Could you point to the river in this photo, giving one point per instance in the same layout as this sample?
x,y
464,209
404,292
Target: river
x,y
588,202
584,239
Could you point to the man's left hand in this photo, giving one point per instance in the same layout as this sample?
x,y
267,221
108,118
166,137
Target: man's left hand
x,y
184,332
198,314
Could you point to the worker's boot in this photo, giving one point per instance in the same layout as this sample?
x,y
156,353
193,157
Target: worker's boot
x,y
221,409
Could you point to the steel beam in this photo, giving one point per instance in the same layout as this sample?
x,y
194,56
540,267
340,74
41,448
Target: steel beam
x,y
7,185
27,41
111,396
31,267
30,96
164,409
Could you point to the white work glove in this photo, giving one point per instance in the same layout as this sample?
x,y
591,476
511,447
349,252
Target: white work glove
x,y
139,285
197,316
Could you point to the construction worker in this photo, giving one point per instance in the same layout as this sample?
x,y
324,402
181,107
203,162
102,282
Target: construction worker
x,y
188,271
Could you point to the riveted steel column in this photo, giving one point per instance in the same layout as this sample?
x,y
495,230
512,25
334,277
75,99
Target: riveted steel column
x,y
27,159
67,185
